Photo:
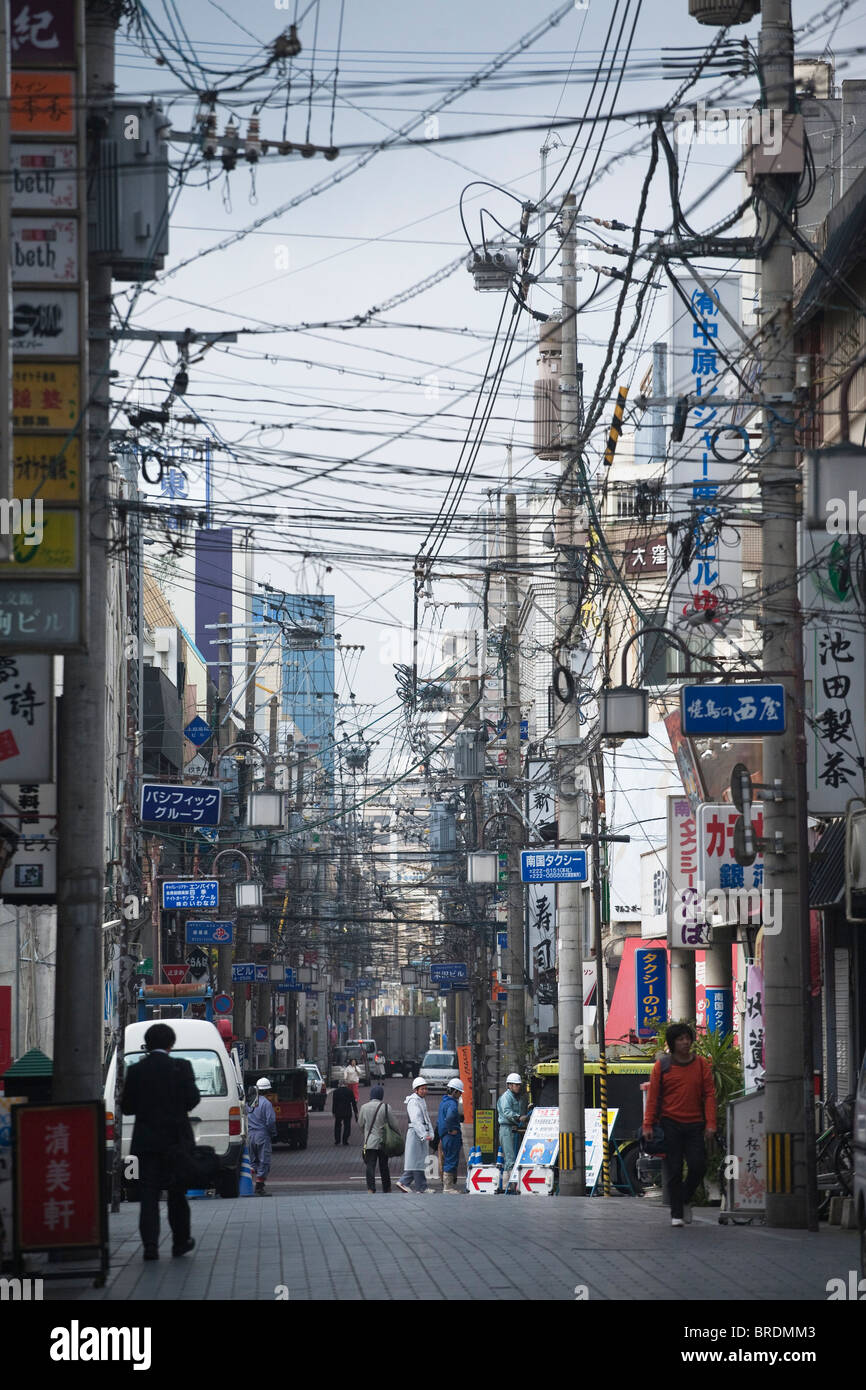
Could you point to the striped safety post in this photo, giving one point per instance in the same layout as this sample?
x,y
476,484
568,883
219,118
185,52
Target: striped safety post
x,y
616,425
245,1187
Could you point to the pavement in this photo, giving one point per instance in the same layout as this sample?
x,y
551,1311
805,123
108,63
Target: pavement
x,y
353,1247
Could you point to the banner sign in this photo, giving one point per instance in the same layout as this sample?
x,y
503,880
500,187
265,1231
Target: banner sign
x,y
59,1155
43,178
192,892
553,866
753,1028
651,990
181,805
209,933
685,927
708,710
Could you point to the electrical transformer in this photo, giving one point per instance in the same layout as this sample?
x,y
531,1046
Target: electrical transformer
x,y
127,213
547,391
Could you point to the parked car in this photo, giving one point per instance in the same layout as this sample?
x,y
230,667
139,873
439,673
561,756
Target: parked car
x,y
375,1058
219,1119
437,1069
859,1140
339,1059
288,1096
317,1091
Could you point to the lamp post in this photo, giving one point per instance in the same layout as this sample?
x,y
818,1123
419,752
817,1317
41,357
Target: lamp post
x,y
624,710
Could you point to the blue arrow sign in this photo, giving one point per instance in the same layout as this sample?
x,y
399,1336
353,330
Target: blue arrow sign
x,y
733,709
553,866
171,805
209,933
449,974
190,892
198,732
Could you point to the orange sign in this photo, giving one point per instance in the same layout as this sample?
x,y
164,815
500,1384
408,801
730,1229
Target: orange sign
x,y
42,103
464,1064
47,466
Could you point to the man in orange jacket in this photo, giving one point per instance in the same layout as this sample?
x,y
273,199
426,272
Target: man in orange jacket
x,y
682,1099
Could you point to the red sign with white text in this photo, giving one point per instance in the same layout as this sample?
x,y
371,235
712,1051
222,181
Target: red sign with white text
x,y
59,1161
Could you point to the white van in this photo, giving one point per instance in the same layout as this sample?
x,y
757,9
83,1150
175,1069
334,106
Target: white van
x,y
219,1119
438,1068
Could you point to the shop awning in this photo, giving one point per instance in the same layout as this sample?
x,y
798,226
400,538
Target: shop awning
x,y
827,868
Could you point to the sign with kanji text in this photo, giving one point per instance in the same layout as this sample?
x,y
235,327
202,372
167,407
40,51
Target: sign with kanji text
x,y
553,866
45,396
209,933
42,33
686,927
733,709
175,974
717,867
243,973
753,1028
540,1145
42,103
190,892
180,805
59,1176
197,731
448,974
31,874
651,990
26,719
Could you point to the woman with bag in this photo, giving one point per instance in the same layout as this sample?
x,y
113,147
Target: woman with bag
x,y
374,1117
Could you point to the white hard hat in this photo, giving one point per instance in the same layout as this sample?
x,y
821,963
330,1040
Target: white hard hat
x,y
512,1079
263,1084
455,1084
419,1081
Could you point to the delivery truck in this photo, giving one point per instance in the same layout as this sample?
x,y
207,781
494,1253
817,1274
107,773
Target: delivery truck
x,y
403,1038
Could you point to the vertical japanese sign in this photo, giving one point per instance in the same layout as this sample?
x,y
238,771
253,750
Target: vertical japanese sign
x,y
651,990
59,1176
686,927
464,1066
26,719
43,580
834,662
753,1028
31,874
710,455
542,900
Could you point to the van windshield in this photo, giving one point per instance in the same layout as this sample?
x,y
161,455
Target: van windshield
x,y
210,1078
440,1059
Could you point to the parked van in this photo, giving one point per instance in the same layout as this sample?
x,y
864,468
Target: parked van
x,y
219,1119
438,1068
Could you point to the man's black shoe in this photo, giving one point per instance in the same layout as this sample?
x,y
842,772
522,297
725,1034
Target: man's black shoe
x,y
151,1252
183,1249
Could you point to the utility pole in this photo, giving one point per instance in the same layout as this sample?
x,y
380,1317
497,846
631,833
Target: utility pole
x,y
78,1027
515,964
787,1014
6,471
223,739
572,1181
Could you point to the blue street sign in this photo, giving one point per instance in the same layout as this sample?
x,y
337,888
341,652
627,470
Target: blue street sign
x,y
553,866
651,990
449,974
243,974
190,892
263,974
209,933
261,1035
733,709
171,805
222,1003
198,732
502,940
289,989
290,975
720,1011
502,729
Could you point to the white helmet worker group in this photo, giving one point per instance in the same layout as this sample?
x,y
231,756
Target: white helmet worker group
x,y
455,1084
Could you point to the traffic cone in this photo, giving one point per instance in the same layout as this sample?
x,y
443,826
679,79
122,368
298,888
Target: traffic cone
x,y
245,1187
500,1158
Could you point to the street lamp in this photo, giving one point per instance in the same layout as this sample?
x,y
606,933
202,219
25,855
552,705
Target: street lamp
x,y
482,867
624,711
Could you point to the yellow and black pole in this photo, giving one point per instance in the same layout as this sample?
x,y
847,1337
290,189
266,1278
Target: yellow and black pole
x,y
615,425
599,838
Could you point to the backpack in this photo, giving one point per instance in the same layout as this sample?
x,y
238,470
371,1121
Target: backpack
x,y
655,1145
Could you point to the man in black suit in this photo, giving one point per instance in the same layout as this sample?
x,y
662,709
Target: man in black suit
x,y
160,1091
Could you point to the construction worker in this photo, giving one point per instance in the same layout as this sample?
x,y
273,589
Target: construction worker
x,y
511,1122
450,1134
262,1132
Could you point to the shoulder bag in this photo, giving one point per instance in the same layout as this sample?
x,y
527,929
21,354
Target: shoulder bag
x,y
393,1144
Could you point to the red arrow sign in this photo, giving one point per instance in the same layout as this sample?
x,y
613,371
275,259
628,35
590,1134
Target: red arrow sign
x,y
476,1176
529,1181
175,974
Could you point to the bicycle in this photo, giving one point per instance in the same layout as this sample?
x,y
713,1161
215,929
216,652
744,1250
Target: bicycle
x,y
835,1156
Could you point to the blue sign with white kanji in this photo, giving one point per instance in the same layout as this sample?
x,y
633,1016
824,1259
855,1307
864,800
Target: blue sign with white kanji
x,y
198,732
733,709
553,866
449,974
190,892
209,933
180,805
244,973
720,1011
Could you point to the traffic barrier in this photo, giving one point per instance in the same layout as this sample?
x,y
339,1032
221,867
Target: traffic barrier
x,y
245,1187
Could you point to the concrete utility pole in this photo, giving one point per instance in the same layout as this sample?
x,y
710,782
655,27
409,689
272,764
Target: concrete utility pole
x,y
515,963
787,1017
224,737
78,1041
6,472
572,1181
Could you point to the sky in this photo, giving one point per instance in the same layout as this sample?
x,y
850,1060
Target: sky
x,y
336,444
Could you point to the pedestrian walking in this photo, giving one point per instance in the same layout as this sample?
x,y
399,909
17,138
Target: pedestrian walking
x,y
450,1134
343,1106
372,1118
352,1077
262,1133
682,1099
160,1091
511,1122
418,1137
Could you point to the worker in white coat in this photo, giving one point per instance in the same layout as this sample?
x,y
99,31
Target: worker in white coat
x,y
418,1137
